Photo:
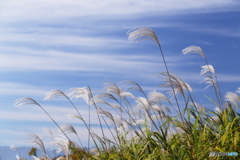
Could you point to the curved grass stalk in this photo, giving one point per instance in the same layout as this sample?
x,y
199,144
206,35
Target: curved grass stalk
x,y
136,34
22,101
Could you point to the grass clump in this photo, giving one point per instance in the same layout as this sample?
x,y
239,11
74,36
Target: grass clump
x,y
150,126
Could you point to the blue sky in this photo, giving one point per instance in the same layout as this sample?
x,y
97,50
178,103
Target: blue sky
x,y
50,44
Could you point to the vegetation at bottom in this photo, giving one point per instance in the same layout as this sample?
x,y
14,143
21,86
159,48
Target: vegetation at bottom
x,y
148,126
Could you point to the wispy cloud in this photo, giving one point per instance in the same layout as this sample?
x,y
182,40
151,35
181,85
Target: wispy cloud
x,y
218,31
33,60
229,78
37,10
33,113
19,89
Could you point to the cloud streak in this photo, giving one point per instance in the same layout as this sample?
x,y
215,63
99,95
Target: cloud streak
x,y
13,10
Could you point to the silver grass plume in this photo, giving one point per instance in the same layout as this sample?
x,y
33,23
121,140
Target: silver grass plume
x,y
157,96
143,103
206,69
86,94
13,147
193,49
210,82
161,108
34,139
70,129
116,106
48,131
176,83
97,100
63,145
22,101
74,116
83,93
105,113
113,88
53,94
136,87
118,121
136,34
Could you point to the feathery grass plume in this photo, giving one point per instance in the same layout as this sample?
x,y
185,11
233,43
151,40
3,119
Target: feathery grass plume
x,y
157,96
210,82
206,69
34,139
63,145
114,88
161,108
22,101
53,94
83,93
75,92
136,87
193,49
232,98
134,35
70,129
86,94
48,131
15,148
116,121
116,106
26,100
176,83
143,103
104,112
74,116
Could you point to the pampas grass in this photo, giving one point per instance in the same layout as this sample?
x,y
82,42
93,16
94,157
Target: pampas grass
x,y
145,127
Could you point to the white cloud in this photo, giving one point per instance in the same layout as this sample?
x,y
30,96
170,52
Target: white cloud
x,y
228,78
30,60
17,10
34,113
13,88
48,39
218,31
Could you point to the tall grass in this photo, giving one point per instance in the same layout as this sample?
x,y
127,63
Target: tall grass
x,y
152,125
